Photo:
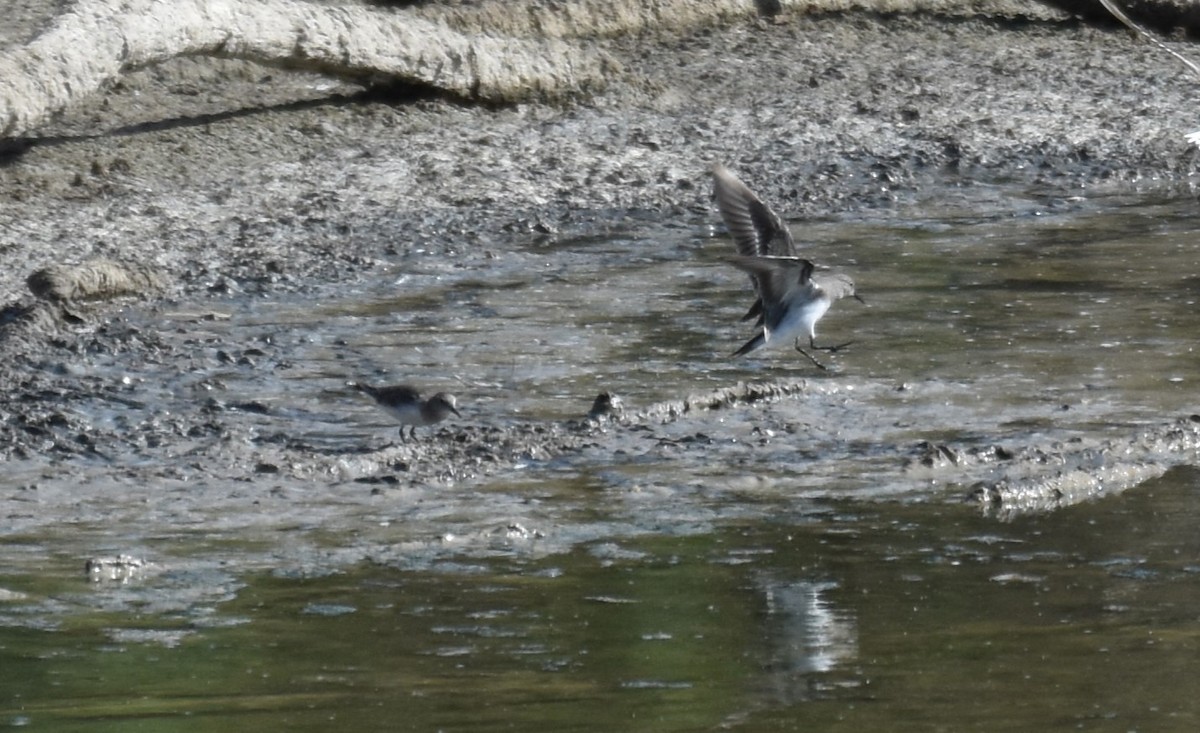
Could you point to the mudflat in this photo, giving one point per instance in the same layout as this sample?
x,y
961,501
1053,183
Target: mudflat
x,y
217,182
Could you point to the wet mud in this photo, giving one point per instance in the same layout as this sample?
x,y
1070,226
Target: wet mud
x,y
136,228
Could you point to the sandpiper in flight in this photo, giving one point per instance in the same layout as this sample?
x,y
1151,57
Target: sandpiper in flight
x,y
790,300
405,404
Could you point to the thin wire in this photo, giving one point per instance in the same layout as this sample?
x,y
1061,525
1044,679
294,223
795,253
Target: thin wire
x,y
1121,16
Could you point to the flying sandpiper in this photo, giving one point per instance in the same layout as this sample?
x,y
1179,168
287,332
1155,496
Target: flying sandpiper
x,y
790,299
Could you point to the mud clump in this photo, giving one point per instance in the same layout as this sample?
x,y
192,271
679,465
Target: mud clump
x,y
97,279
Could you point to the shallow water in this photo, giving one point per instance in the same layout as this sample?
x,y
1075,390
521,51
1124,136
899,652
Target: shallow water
x,y
851,616
770,565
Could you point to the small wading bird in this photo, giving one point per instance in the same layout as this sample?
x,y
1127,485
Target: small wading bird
x,y
405,404
790,300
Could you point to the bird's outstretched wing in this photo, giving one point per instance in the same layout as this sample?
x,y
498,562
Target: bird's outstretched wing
x,y
777,277
755,228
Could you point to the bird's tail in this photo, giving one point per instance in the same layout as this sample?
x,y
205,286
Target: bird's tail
x,y
755,311
364,388
753,344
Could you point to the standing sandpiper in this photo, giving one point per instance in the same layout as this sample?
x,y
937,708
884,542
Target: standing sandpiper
x,y
790,300
405,404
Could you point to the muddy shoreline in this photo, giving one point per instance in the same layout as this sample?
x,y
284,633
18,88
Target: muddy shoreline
x,y
317,186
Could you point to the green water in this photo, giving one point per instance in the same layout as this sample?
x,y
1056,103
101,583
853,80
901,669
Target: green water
x,y
907,616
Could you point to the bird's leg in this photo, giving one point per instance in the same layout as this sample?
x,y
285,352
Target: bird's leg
x,y
402,438
811,358
831,349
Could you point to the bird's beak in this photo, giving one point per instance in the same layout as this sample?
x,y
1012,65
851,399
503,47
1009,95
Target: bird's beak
x,y
859,299
455,410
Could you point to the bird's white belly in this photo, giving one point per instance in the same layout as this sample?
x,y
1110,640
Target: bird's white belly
x,y
799,322
409,414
